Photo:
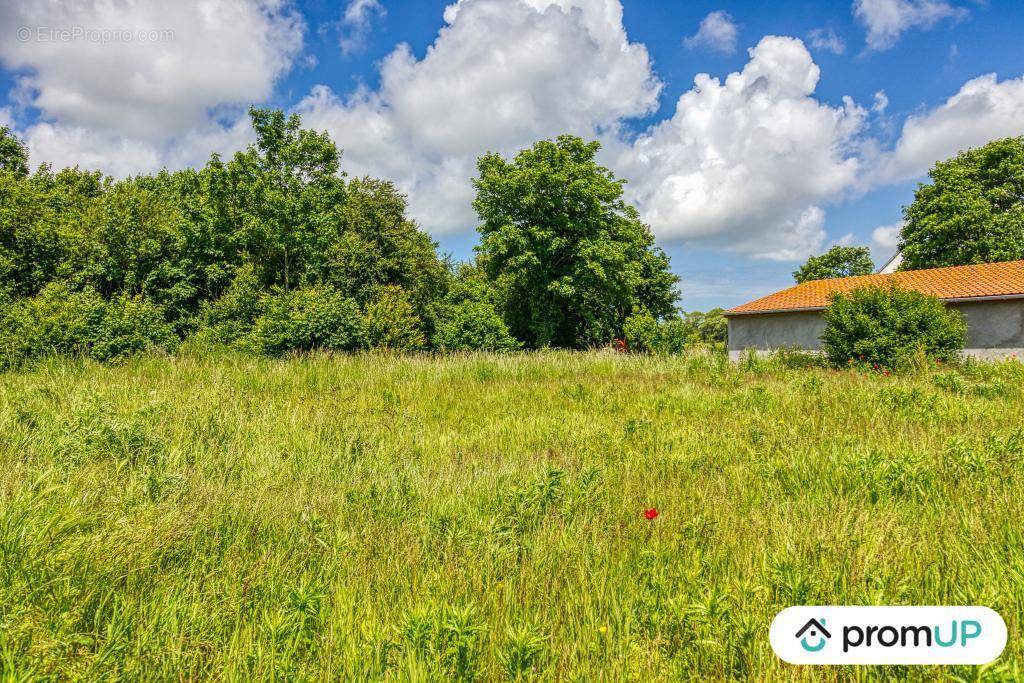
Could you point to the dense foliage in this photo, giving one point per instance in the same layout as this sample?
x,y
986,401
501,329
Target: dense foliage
x,y
644,333
13,155
888,327
570,259
276,250
839,261
59,320
971,212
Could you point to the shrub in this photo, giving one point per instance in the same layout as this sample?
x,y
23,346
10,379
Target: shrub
x,y
675,335
392,323
887,327
473,326
641,332
131,325
59,320
306,319
228,319
671,336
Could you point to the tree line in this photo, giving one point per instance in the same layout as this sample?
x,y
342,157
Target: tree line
x,y
276,250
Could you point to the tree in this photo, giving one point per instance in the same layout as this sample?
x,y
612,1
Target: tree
x,y
286,191
13,155
376,245
41,216
971,212
836,262
889,326
710,327
570,258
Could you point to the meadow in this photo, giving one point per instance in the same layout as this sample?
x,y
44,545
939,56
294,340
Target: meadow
x,y
216,516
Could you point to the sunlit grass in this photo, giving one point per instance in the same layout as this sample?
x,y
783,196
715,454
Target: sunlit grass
x,y
217,516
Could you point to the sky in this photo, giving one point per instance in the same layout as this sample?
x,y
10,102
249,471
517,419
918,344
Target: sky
x,y
751,135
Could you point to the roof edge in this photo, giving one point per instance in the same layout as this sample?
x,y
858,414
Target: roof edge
x,y
811,309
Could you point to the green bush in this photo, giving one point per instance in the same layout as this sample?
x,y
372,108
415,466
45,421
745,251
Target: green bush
x,y
392,323
231,317
641,332
305,319
473,326
672,336
889,327
131,325
59,320
675,336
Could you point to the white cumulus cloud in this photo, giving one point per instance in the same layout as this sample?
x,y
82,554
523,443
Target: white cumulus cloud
x,y
500,75
983,110
886,20
885,239
747,163
359,14
142,80
717,32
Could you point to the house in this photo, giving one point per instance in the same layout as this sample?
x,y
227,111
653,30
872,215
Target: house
x,y
990,296
892,265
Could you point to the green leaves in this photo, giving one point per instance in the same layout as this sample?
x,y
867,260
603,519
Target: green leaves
x,y
13,154
838,261
571,258
886,327
306,319
972,212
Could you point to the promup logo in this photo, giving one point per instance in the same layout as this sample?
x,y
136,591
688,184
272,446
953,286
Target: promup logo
x,y
888,635
817,630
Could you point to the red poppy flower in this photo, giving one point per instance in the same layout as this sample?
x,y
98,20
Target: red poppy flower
x,y
651,514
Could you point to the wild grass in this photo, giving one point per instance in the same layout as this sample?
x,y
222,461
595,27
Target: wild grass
x,y
222,517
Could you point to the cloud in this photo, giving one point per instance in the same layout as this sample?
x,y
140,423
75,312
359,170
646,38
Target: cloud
x,y
881,102
500,75
886,20
826,40
142,79
984,109
884,240
356,21
717,32
746,164
119,156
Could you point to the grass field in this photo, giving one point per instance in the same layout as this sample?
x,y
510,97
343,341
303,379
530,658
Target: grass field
x,y
481,517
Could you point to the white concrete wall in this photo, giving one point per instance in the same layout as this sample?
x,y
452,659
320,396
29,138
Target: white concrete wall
x,y
773,331
995,330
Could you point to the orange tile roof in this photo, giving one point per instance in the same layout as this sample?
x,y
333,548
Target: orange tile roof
x,y
956,282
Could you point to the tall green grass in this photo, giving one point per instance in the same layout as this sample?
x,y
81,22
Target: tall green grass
x,y
481,517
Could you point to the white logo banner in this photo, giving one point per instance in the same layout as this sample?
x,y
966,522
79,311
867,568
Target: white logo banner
x,y
888,635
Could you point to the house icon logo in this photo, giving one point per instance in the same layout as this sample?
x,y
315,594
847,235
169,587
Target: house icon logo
x,y
815,631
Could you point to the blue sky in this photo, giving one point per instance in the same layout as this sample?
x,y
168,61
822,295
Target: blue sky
x,y
813,126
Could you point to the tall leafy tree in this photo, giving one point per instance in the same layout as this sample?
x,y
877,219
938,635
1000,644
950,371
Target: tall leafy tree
x,y
13,155
377,245
971,212
838,261
285,190
41,217
570,258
